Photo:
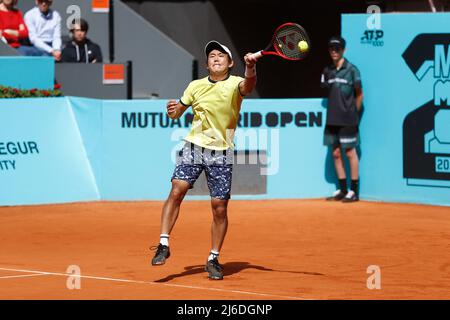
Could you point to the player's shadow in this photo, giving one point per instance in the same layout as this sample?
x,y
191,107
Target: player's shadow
x,y
230,268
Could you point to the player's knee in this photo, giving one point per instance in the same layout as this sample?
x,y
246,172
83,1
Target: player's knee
x,y
351,153
337,153
220,216
177,194
220,213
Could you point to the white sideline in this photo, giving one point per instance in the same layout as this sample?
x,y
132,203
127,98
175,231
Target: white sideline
x,y
23,276
36,273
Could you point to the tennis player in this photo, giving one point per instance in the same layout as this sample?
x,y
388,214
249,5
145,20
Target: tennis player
x,y
215,101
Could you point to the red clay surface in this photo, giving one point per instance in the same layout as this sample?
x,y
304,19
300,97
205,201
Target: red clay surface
x,y
283,249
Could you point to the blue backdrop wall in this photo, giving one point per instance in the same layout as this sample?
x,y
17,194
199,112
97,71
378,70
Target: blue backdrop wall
x,y
73,149
404,60
76,149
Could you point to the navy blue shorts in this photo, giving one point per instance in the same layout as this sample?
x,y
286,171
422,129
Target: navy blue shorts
x,y
218,166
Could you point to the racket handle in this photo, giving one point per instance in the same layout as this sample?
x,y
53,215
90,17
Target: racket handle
x,y
257,55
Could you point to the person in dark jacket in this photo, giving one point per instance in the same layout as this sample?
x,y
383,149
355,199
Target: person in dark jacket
x,y
80,48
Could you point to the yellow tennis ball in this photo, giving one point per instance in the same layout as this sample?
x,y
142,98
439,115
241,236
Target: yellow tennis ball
x,y
303,46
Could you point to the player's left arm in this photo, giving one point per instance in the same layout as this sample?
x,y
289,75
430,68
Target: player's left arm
x,y
249,83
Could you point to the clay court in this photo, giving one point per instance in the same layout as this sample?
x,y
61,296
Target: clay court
x,y
288,250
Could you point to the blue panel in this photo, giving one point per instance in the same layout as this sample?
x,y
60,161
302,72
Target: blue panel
x,y
136,160
27,72
406,80
139,143
298,166
88,114
42,159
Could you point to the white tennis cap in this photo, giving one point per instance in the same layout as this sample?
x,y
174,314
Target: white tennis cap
x,y
210,46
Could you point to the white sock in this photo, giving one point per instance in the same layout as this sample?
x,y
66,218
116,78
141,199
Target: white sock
x,y
213,254
164,239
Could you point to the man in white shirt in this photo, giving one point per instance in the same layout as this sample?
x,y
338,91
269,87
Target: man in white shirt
x,y
44,28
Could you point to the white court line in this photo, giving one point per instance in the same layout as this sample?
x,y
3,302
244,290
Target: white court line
x,y
153,283
23,276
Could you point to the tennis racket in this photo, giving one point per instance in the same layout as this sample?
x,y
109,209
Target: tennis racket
x,y
290,41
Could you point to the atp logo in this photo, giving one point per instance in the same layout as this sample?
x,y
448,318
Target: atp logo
x,y
426,130
373,37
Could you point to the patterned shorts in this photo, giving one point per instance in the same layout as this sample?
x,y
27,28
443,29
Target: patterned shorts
x,y
218,166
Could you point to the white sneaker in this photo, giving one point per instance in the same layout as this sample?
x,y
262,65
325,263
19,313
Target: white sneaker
x,y
337,196
350,197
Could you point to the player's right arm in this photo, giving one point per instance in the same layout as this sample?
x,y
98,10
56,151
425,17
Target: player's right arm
x,y
175,109
248,84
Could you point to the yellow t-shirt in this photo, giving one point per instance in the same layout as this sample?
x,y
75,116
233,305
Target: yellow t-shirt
x,y
216,107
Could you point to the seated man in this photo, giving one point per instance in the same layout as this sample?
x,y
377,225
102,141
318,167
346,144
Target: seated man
x,y
81,49
44,29
13,30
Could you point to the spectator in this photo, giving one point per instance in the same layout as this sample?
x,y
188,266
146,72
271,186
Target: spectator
x,y
80,48
12,26
44,29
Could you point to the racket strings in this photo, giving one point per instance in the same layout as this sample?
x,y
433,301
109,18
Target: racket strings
x,y
286,41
